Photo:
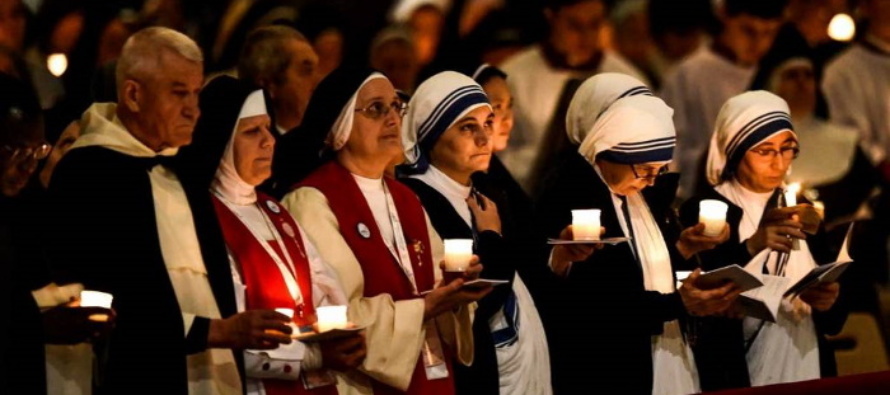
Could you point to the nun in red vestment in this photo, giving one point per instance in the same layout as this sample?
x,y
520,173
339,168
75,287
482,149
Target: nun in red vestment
x,y
373,230
273,264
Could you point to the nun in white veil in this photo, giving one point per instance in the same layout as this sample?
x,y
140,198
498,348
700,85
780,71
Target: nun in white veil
x,y
628,290
751,151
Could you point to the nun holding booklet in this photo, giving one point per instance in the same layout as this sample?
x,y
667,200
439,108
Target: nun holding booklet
x,y
620,310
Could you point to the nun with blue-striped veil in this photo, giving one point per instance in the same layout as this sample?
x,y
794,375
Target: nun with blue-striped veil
x,y
447,136
621,309
752,149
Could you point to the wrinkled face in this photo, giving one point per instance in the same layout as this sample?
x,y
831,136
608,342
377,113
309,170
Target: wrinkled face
x,y
502,103
575,31
465,147
797,85
764,167
17,168
626,180
290,96
167,100
376,138
749,37
252,149
398,61
12,24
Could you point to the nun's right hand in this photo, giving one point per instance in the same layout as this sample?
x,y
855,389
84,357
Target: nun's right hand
x,y
565,254
776,235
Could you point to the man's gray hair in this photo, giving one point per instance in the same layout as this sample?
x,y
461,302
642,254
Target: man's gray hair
x,y
141,53
264,57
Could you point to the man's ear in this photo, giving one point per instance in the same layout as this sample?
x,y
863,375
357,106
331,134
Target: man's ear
x,y
131,95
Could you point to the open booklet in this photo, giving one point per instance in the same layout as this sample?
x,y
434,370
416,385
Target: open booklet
x,y
825,273
764,302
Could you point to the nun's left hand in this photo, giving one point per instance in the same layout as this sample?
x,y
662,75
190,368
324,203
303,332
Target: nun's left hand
x,y
821,297
693,240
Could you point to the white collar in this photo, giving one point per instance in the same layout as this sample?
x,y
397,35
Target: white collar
x,y
368,184
452,190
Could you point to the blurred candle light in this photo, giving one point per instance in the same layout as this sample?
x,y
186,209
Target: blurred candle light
x,y
842,28
57,64
96,299
331,317
791,194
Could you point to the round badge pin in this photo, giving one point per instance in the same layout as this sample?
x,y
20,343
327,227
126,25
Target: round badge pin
x,y
273,206
288,229
363,230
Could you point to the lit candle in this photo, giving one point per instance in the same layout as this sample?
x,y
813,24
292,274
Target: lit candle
x,y
791,194
712,213
96,299
458,254
586,224
820,208
331,317
57,63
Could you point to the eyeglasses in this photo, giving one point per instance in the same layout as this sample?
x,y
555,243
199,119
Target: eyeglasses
x,y
787,153
36,152
378,109
648,175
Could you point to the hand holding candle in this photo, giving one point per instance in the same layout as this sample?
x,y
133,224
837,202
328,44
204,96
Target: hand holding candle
x,y
712,213
331,317
586,224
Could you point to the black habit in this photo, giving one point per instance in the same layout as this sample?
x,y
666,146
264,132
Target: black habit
x,y
105,235
604,325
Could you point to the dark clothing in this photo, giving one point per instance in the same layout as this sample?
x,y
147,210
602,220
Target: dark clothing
x,y
105,236
22,364
720,344
607,318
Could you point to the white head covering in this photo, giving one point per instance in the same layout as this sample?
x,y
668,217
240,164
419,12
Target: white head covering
x,y
227,182
404,9
743,122
342,128
438,103
594,96
637,129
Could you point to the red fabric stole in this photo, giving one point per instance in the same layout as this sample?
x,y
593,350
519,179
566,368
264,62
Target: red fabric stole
x,y
382,272
266,288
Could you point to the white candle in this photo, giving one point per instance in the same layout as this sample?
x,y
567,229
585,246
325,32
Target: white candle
x,y
712,213
586,224
96,299
791,194
458,254
331,317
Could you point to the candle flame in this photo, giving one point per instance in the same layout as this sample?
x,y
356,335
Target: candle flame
x,y
794,187
57,64
842,28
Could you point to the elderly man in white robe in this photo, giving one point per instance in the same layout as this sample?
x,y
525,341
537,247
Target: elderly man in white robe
x,y
126,225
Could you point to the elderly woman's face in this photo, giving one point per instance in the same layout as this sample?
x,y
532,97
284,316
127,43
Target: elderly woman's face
x,y
376,134
626,180
252,147
465,147
764,167
502,103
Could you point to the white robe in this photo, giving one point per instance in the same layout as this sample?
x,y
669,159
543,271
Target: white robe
x,y
536,88
388,322
696,89
857,89
787,350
